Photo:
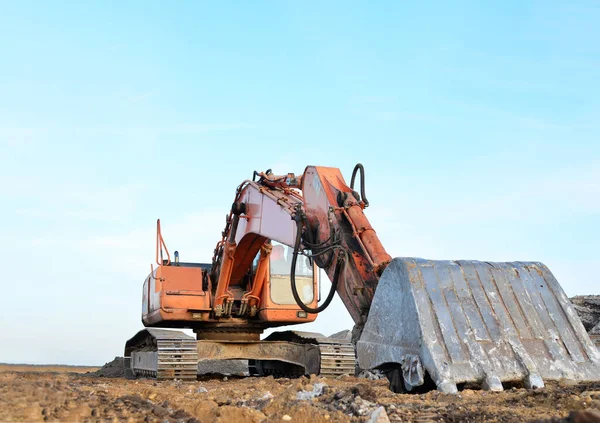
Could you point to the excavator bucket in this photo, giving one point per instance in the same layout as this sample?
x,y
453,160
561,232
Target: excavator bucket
x,y
471,321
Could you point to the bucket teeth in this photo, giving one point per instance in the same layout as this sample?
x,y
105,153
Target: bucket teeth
x,y
534,382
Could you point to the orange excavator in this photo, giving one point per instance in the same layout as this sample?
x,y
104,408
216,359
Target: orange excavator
x,y
425,324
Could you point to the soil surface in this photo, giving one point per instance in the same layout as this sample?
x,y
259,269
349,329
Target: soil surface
x,y
64,394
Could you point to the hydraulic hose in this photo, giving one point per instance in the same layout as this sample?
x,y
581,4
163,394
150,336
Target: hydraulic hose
x,y
362,182
334,282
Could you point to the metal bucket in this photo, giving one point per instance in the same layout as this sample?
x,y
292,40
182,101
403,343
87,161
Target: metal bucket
x,y
471,321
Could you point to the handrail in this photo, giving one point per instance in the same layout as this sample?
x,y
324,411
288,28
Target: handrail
x,y
160,243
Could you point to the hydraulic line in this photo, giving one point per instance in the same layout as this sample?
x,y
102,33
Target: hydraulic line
x,y
362,182
334,282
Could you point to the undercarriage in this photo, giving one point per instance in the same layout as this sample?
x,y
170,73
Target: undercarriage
x,y
167,354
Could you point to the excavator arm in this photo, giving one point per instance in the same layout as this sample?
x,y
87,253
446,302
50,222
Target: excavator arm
x,y
321,217
333,229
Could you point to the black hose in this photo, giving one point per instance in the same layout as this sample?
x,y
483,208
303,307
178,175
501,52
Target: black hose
x,y
362,182
334,283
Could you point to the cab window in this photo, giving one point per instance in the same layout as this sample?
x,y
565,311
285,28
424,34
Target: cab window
x,y
280,267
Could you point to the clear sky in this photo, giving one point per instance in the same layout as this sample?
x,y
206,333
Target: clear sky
x,y
477,123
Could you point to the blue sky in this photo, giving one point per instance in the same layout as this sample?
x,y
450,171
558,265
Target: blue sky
x,y
478,126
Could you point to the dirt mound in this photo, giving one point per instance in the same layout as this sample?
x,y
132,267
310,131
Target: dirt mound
x,y
588,309
345,335
115,368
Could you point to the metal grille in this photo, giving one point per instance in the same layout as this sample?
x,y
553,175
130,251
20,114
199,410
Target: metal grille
x,y
177,359
337,359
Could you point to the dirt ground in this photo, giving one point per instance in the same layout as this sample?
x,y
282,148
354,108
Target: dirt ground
x,y
46,368
69,394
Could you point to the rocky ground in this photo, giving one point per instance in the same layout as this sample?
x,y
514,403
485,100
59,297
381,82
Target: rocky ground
x,y
588,309
62,394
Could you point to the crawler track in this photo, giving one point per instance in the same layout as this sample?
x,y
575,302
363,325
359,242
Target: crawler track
x,y
163,354
337,358
166,355
337,355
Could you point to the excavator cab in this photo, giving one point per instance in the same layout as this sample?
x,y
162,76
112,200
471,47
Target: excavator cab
x,y
179,294
280,273
277,302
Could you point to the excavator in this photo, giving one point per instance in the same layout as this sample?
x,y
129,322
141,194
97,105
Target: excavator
x,y
424,324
